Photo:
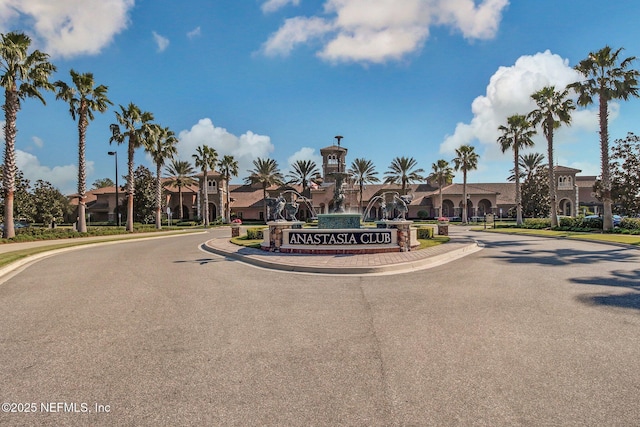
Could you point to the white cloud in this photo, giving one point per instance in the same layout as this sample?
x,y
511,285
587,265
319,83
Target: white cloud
x,y
509,92
65,178
244,148
295,31
273,5
305,153
68,28
379,30
194,33
38,142
161,42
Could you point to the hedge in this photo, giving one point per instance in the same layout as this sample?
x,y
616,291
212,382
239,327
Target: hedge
x,y
255,233
425,233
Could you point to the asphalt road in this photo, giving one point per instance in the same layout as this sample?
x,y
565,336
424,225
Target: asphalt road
x,y
528,331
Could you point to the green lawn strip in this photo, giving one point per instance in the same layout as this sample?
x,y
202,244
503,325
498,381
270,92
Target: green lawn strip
x,y
13,256
615,238
612,238
243,241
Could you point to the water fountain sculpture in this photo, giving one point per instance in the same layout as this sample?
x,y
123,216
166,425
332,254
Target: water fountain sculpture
x,y
339,232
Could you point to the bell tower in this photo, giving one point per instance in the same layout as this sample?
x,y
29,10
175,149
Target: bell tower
x,y
333,160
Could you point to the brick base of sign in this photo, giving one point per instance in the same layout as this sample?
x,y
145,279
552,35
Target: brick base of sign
x,y
288,237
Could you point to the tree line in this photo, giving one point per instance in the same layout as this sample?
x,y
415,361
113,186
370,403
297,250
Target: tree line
x,y
25,74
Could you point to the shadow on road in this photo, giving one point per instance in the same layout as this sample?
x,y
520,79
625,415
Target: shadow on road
x,y
559,257
617,279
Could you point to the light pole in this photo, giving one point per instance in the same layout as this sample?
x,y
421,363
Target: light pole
x,y
115,153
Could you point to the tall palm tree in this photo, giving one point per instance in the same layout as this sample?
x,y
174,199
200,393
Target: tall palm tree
x,y
267,173
466,160
161,146
136,127
302,171
608,78
554,109
363,172
401,171
206,158
516,136
23,75
180,175
83,99
530,163
443,174
228,167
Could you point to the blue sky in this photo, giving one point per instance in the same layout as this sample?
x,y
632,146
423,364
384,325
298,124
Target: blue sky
x,y
281,78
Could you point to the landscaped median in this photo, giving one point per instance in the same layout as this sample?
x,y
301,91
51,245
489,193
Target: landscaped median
x,y
627,239
254,237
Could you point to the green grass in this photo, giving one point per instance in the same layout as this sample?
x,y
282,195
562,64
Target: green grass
x,y
13,256
243,241
437,240
602,237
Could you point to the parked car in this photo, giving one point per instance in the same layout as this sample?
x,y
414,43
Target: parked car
x,y
617,219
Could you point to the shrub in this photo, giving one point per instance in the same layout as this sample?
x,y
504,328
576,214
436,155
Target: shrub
x,y
537,223
255,233
423,214
630,223
425,233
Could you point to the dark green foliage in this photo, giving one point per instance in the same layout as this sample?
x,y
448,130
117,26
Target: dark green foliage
x,y
51,206
630,223
625,175
144,197
255,233
425,233
423,214
537,223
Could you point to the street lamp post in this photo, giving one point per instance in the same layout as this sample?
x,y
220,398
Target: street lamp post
x,y
115,153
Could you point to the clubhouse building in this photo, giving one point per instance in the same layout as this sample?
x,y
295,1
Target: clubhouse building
x,y
246,201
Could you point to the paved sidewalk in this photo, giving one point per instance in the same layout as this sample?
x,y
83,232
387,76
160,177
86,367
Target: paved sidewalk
x,y
382,263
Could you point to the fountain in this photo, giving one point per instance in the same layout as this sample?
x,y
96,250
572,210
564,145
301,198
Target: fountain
x,y
339,232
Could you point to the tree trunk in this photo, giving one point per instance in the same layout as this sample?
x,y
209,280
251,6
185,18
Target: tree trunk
x,y
607,219
130,187
158,197
11,107
205,198
517,175
465,218
82,170
553,202
228,207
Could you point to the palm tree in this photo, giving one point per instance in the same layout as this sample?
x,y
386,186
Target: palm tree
x,y
363,172
83,100
302,171
401,172
466,160
267,173
137,126
206,158
24,74
516,136
443,174
180,175
530,163
161,146
607,78
554,109
228,167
